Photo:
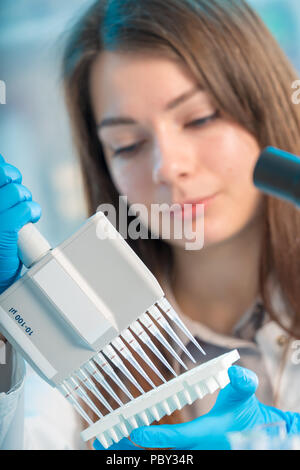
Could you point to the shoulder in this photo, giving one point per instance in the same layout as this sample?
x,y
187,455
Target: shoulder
x,y
281,351
279,304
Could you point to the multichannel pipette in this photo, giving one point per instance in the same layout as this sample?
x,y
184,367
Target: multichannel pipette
x,y
85,314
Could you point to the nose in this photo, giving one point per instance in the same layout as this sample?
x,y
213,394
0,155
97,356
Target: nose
x,y
172,162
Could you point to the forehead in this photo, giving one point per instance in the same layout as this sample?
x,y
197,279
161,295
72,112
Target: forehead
x,y
119,81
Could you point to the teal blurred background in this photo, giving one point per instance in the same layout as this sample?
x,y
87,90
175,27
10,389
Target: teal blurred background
x,y
35,134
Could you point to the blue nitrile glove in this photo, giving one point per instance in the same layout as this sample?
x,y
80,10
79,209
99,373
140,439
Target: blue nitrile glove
x,y
236,409
16,210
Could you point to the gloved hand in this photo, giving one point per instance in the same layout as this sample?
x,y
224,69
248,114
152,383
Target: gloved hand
x,y
16,210
236,409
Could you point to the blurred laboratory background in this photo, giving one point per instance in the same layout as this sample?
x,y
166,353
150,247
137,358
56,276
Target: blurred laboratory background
x,y
35,133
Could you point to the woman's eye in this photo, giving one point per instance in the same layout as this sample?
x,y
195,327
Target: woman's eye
x,y
200,122
196,123
130,149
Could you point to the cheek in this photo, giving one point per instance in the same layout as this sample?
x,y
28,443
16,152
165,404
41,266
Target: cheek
x,y
132,178
232,155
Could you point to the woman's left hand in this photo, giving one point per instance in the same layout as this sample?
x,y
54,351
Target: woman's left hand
x,y
236,409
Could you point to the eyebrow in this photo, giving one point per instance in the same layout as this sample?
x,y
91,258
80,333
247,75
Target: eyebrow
x,y
117,121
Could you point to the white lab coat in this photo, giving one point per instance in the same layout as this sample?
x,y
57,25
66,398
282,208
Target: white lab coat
x,y
50,421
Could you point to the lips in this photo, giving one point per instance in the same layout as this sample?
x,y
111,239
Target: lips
x,y
193,202
188,208
196,201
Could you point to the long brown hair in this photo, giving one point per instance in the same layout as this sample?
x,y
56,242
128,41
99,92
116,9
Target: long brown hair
x,y
234,57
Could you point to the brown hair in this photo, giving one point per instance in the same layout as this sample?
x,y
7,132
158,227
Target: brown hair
x,y
235,58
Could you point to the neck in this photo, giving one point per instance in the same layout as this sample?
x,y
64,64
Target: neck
x,y
217,284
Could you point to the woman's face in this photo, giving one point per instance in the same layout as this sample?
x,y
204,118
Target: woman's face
x,y
161,148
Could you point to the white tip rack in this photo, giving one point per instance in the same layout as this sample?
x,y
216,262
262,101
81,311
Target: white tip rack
x,y
168,397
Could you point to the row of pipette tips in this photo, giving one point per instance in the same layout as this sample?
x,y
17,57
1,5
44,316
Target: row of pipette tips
x,y
85,373
180,391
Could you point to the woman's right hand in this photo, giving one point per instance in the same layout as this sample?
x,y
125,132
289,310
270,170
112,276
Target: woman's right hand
x,y
237,409
16,210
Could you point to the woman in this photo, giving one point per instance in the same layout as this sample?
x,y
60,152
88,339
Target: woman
x,y
172,102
